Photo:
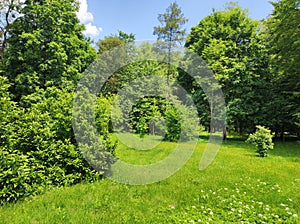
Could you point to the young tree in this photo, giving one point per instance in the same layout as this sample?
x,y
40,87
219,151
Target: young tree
x,y
46,47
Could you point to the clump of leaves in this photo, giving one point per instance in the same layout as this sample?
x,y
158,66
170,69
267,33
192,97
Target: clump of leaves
x,y
262,139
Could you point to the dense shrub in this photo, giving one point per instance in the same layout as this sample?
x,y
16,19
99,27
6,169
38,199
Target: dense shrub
x,y
262,139
20,176
45,133
91,122
8,113
38,147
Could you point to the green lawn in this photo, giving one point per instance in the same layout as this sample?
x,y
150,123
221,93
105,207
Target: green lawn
x,y
238,186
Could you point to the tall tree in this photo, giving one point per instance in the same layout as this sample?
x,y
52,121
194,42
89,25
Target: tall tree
x,y
283,34
170,32
229,42
46,47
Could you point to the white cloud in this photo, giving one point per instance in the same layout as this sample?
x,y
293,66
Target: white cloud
x,y
83,15
92,30
87,18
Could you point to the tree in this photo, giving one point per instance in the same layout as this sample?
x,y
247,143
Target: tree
x,y
109,42
46,47
8,13
229,42
283,35
170,32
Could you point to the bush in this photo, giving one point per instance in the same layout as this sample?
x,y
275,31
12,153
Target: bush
x,y
38,148
8,113
262,139
20,176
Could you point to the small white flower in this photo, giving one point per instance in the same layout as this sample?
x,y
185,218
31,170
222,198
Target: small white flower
x,y
199,220
193,206
260,203
211,213
240,211
287,208
283,205
267,208
295,215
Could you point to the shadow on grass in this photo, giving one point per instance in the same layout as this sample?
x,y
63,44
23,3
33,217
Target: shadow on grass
x,y
287,149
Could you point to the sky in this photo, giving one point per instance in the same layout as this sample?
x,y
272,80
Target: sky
x,y
105,17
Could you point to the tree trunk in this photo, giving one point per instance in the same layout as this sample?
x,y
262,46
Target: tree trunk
x,y
224,133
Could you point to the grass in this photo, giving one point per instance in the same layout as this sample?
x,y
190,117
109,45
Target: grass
x,y
238,187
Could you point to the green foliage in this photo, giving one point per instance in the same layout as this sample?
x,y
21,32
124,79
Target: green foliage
x,y
170,32
262,139
20,176
46,47
173,123
282,35
156,116
9,11
44,132
231,46
109,42
97,149
8,113
40,149
107,116
145,112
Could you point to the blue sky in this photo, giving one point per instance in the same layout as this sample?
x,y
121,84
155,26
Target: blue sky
x,y
106,17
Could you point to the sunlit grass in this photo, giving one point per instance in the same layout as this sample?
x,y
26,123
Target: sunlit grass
x,y
264,189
